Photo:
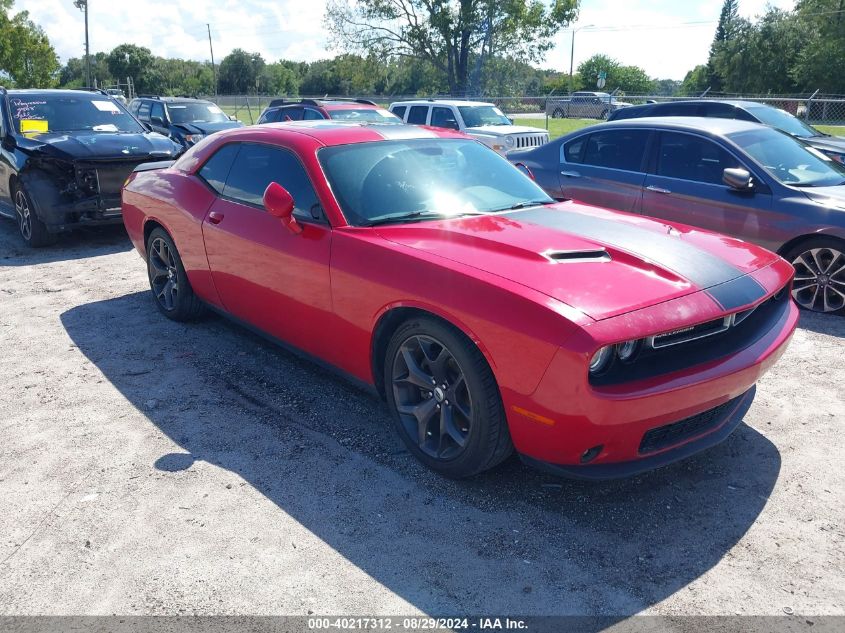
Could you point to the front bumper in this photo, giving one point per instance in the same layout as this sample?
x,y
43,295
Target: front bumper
x,y
94,211
568,424
717,431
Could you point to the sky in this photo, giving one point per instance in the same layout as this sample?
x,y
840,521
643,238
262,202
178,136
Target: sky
x,y
665,37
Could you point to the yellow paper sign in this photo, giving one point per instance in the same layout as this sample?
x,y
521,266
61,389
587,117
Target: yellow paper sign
x,y
33,126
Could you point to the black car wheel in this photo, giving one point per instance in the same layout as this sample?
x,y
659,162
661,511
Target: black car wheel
x,y
604,115
445,400
33,231
557,114
169,283
819,275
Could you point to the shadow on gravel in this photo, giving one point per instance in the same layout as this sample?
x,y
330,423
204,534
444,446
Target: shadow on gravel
x,y
829,324
510,541
87,242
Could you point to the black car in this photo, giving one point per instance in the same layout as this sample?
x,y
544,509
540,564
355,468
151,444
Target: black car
x,y
833,146
64,155
184,119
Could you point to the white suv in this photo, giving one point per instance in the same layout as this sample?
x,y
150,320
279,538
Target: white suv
x,y
483,121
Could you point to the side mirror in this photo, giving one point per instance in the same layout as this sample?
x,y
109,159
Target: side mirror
x,y
279,204
738,178
157,120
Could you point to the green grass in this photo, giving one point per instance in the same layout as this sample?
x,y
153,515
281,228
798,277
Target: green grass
x,y
558,127
836,130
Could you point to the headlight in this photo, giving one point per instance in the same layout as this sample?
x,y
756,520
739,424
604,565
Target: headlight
x,y
194,138
601,360
509,141
627,351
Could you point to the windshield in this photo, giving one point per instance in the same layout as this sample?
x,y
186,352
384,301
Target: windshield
x,y
429,178
783,121
476,116
375,115
41,113
195,113
790,160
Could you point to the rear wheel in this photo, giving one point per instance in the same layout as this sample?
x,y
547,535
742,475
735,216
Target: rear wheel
x,y
819,275
557,114
168,281
445,400
33,231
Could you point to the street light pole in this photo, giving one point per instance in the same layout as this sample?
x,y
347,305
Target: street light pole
x,y
83,6
572,53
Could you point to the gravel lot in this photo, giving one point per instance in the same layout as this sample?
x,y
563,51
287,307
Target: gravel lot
x,y
148,467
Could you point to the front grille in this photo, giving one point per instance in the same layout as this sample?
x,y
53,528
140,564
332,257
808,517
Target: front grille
x,y
691,333
531,140
677,432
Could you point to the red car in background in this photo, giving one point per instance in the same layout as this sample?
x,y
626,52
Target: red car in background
x,y
358,110
595,343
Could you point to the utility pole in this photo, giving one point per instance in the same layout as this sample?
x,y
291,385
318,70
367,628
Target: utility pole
x,y
213,69
83,6
572,53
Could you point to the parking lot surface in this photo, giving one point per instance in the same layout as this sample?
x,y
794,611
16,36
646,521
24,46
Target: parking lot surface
x,y
149,467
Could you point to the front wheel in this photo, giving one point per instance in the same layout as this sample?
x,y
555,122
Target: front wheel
x,y
168,281
557,113
445,400
33,231
819,283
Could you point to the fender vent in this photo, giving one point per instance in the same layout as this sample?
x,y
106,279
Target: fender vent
x,y
564,257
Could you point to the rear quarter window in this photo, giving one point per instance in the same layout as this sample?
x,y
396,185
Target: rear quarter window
x,y
217,168
399,111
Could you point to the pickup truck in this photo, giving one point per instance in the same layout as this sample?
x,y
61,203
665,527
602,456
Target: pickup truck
x,y
584,105
483,121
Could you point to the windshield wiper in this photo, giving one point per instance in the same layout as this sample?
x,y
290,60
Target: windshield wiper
x,y
527,203
416,216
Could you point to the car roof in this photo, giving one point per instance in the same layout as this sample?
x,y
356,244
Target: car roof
x,y
739,103
712,125
332,132
448,102
55,92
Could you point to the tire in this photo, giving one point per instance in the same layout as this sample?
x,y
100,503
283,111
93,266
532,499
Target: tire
x,y
32,230
169,283
604,114
557,113
819,274
423,356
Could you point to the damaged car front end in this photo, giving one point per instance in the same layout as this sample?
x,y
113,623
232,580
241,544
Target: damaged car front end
x,y
67,157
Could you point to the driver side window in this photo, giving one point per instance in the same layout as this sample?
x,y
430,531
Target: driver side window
x,y
692,158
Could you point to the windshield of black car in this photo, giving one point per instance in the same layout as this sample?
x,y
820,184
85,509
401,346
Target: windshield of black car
x,y
437,177
783,121
195,113
476,116
371,115
34,114
788,159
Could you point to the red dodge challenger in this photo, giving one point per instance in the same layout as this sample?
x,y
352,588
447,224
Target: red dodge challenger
x,y
491,318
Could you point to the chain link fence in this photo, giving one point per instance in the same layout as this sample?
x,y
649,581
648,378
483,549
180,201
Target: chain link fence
x,y
815,109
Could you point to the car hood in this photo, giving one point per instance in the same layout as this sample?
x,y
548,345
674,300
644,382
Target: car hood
x,y
833,143
504,130
830,197
99,145
203,127
600,262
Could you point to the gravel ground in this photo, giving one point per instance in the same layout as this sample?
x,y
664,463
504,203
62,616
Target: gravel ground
x,y
148,467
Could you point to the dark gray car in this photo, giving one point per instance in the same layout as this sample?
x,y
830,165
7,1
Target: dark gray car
x,y
734,177
833,146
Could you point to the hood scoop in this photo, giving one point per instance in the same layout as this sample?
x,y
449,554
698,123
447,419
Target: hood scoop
x,y
595,255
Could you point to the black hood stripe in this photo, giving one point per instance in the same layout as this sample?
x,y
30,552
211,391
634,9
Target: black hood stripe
x,y
705,270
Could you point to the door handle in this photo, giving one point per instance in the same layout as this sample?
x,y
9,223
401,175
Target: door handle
x,y
657,189
570,174
215,217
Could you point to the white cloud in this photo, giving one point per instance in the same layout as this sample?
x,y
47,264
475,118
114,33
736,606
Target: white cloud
x,y
646,33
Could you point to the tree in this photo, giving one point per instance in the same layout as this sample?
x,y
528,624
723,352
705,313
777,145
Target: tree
x,y
128,60
27,58
448,33
628,79
725,31
695,82
240,72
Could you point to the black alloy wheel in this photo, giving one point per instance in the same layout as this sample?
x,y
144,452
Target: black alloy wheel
x,y
445,399
169,283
